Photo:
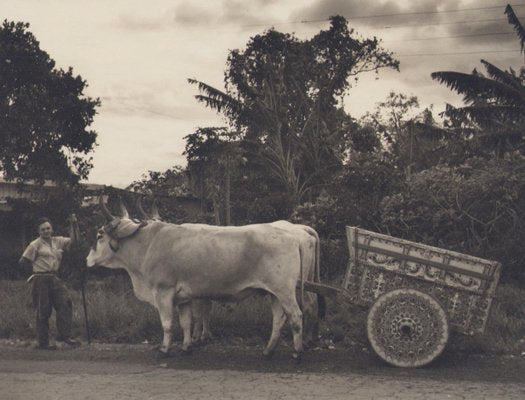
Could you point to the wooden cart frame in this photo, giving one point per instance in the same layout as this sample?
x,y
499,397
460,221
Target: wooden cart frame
x,y
416,294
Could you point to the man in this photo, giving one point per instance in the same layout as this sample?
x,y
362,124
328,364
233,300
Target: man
x,y
44,255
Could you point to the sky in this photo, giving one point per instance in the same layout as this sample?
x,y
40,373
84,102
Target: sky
x,y
136,57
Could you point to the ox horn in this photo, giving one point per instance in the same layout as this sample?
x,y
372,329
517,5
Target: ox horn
x,y
123,210
141,210
104,209
155,211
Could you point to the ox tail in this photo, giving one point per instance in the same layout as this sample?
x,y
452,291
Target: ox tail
x,y
321,300
301,277
315,273
317,257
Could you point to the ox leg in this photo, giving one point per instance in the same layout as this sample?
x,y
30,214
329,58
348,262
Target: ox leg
x,y
201,311
295,317
197,316
311,321
278,320
185,319
206,313
164,302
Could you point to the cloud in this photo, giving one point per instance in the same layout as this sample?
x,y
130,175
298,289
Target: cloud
x,y
230,12
376,13
193,14
145,23
463,31
498,32
418,17
153,100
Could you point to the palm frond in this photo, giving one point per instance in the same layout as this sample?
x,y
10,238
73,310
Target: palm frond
x,y
213,103
216,99
518,27
488,115
473,87
502,76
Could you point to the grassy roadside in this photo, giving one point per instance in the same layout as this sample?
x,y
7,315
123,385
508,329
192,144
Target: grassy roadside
x,y
117,316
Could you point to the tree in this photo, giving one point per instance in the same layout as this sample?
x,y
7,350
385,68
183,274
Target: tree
x,y
44,114
411,139
494,118
172,182
285,97
165,189
213,155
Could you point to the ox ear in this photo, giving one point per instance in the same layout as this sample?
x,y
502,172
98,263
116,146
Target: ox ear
x,y
104,209
127,228
155,211
143,215
123,210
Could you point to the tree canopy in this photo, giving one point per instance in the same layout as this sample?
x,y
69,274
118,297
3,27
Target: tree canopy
x,y
285,97
44,113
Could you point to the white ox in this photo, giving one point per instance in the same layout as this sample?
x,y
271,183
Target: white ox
x,y
313,305
174,264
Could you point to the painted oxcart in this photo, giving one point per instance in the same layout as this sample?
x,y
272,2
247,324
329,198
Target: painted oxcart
x,y
415,293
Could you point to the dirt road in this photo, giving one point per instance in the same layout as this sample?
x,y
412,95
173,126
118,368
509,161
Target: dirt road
x,y
237,371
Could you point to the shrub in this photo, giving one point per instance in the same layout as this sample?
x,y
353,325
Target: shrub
x,y
334,258
476,208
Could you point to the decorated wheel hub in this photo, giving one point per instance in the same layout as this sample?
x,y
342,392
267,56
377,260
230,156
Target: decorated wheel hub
x,y
407,328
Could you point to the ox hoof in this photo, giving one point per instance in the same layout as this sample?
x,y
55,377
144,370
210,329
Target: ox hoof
x,y
163,354
297,356
311,344
187,352
268,355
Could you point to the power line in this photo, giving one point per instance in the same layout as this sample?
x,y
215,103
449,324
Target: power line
x,y
475,21
451,37
457,53
385,15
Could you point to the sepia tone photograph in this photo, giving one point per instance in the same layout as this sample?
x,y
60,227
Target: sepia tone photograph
x,y
262,199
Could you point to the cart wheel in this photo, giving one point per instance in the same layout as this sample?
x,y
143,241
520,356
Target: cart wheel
x,y
407,328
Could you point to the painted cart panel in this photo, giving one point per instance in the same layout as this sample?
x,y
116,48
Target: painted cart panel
x,y
463,285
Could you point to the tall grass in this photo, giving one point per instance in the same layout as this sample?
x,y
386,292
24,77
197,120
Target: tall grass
x,y
505,330
117,316
16,312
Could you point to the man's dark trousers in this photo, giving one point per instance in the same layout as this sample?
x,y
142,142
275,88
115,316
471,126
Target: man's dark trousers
x,y
50,292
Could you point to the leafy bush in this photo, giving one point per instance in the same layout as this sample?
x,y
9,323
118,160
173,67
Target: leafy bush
x,y
334,258
353,198
476,208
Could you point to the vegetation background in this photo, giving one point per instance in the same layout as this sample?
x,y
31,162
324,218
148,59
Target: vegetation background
x,y
288,150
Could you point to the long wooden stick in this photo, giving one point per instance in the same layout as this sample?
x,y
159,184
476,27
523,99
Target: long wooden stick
x,y
75,236
86,322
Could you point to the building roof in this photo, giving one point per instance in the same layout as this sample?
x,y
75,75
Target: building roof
x,y
37,192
